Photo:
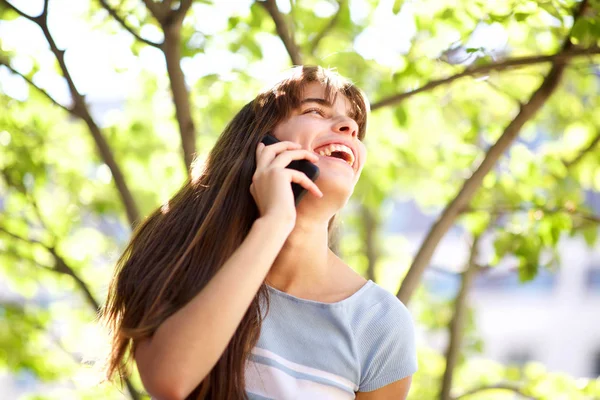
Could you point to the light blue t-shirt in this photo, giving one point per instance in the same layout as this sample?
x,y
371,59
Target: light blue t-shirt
x,y
313,350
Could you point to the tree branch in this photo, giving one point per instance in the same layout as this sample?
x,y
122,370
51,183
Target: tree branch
x,y
506,210
369,239
125,25
30,82
63,268
471,185
21,13
560,57
56,341
502,91
583,152
179,90
456,328
21,238
171,22
283,30
155,9
327,28
167,4
60,266
184,7
164,14
80,110
498,386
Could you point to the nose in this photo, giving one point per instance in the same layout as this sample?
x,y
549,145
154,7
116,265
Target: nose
x,y
346,125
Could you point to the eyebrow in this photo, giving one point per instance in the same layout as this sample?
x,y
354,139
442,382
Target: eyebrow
x,y
316,100
322,102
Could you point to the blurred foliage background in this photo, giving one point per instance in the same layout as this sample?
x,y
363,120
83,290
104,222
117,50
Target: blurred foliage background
x,y
486,114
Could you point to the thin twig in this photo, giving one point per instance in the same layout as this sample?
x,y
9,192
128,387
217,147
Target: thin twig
x,y
125,25
21,13
330,25
509,209
21,238
57,342
38,213
499,386
30,82
584,151
502,91
283,30
60,266
561,56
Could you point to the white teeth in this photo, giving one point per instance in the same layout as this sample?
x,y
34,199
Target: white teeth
x,y
327,150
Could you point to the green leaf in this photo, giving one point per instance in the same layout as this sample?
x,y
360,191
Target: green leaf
x,y
520,17
7,14
401,115
581,33
253,47
397,6
550,9
258,15
476,222
448,14
527,270
499,17
232,22
590,235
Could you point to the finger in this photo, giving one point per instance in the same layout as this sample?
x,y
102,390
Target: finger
x,y
259,149
301,179
283,159
268,153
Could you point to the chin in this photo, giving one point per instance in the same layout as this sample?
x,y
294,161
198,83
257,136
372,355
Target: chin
x,y
336,192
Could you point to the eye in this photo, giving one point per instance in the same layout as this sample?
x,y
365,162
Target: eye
x,y
314,110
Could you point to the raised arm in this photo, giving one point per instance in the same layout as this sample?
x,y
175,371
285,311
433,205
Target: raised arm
x,y
188,344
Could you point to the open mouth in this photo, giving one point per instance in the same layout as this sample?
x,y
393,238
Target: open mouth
x,y
337,150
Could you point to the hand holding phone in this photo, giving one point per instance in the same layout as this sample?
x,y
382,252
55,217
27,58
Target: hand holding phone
x,y
305,166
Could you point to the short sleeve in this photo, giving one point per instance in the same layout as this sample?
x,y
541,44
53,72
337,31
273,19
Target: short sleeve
x,y
386,344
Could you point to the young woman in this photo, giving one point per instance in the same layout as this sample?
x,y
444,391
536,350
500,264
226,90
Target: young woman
x,y
230,291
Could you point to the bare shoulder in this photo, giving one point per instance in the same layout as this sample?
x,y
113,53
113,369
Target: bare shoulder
x,y
347,281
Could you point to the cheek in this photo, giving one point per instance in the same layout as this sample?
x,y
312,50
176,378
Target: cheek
x,y
363,153
297,129
284,131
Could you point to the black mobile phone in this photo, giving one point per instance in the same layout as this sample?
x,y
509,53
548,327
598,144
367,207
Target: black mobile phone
x,y
310,169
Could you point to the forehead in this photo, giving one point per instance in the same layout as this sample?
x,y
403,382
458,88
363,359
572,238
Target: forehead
x,y
315,90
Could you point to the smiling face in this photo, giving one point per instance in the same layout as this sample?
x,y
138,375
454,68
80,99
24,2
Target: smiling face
x,y
329,130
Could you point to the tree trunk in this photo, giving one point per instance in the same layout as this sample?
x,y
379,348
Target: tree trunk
x,y
457,324
181,95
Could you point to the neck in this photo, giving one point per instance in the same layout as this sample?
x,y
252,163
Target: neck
x,y
304,260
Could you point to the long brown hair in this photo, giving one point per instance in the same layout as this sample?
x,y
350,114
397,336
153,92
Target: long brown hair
x,y
177,250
